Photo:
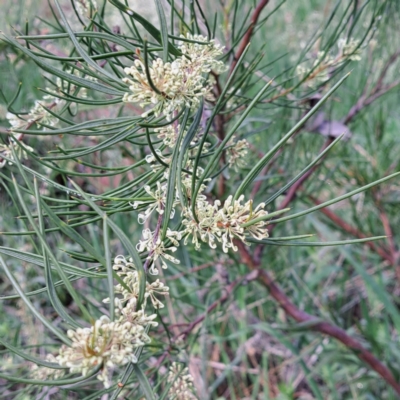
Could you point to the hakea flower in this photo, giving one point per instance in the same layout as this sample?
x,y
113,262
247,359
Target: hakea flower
x,y
154,163
233,215
237,152
156,288
181,383
128,313
6,151
180,83
203,55
206,229
168,134
224,224
157,249
350,49
38,115
159,195
187,186
42,373
122,265
106,344
83,7
131,290
325,63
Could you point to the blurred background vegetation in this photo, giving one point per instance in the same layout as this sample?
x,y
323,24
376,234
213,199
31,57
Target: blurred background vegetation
x,y
248,348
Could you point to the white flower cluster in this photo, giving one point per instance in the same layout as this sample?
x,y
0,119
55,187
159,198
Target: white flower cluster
x,y
325,63
179,83
108,344
350,49
38,115
6,151
156,248
237,152
181,383
224,224
213,224
105,344
130,292
42,373
83,7
159,195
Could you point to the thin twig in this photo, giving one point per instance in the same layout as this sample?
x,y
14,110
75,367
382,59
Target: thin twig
x,y
377,91
315,323
352,230
247,36
225,296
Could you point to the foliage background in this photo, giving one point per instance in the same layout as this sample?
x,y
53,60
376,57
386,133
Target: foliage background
x,y
247,347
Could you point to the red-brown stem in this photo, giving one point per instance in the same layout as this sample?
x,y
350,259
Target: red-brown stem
x,y
323,327
225,296
388,232
290,195
377,91
352,230
227,292
247,36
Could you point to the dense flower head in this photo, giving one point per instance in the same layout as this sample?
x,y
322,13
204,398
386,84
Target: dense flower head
x,y
159,196
106,344
224,224
83,7
42,373
325,63
130,290
237,152
181,383
350,49
180,83
6,151
203,53
157,249
38,114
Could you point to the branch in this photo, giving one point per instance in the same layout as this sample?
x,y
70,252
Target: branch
x,y
247,36
322,327
291,194
227,292
353,231
377,91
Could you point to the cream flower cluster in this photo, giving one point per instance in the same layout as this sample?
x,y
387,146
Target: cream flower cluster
x,y
237,152
6,151
179,83
159,197
105,344
325,63
83,7
350,49
224,224
213,224
181,383
42,373
38,115
108,344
